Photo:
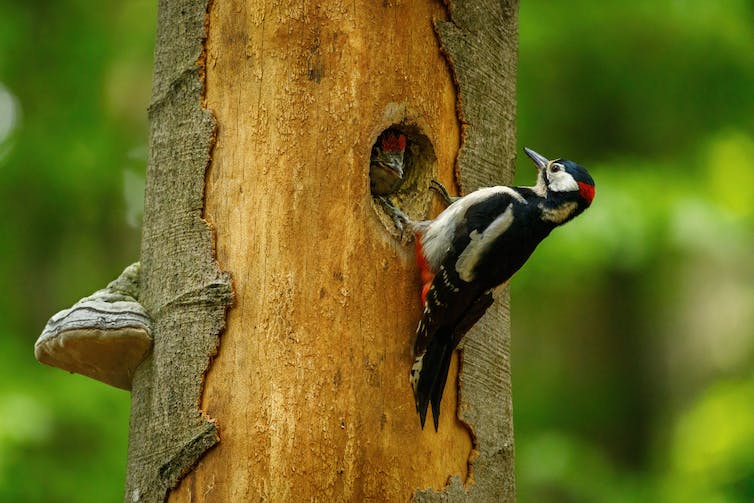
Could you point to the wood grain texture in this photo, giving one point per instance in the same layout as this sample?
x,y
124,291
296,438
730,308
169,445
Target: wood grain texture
x,y
181,286
309,390
481,42
310,387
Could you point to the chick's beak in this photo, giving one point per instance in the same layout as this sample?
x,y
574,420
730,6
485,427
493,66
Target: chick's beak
x,y
394,162
540,160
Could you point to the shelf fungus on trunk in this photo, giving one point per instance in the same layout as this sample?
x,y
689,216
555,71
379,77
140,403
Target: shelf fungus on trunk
x,y
104,336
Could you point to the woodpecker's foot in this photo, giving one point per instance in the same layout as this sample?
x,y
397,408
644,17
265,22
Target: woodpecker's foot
x,y
442,192
400,219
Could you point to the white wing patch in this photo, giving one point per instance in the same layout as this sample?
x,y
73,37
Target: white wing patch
x,y
438,236
480,243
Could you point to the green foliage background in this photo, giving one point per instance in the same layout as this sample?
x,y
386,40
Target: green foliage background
x,y
633,326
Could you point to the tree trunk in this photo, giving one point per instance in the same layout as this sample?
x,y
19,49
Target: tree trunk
x,y
308,390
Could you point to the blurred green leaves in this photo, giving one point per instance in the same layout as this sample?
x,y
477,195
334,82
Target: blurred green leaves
x,y
727,159
711,450
635,79
74,86
633,325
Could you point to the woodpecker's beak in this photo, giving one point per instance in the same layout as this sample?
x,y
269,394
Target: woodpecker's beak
x,y
540,160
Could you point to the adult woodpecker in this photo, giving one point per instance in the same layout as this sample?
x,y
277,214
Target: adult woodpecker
x,y
386,165
476,244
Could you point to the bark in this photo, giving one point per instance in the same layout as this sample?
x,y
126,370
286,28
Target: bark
x,y
309,389
181,286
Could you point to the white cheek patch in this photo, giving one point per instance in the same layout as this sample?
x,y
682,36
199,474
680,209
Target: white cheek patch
x,y
562,181
480,244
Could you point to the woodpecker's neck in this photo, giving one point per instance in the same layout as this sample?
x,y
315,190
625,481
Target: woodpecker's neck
x,y
558,208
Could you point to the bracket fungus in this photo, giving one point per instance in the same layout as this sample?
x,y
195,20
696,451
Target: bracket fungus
x,y
104,336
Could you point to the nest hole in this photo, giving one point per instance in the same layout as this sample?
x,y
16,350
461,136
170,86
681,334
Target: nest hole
x,y
410,192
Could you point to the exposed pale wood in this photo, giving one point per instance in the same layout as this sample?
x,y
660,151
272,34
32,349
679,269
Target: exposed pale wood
x,y
309,389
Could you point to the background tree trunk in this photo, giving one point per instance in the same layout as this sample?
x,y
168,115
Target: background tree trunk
x,y
309,388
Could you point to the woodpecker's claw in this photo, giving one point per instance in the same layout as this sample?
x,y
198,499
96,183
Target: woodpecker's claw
x,y
400,219
442,192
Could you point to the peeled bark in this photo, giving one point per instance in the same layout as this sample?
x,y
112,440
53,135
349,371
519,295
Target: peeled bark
x,y
309,387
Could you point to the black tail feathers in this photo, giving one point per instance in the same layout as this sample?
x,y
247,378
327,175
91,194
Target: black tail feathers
x,y
432,376
433,364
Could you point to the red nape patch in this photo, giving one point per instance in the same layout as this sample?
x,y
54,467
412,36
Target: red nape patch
x,y
393,142
586,191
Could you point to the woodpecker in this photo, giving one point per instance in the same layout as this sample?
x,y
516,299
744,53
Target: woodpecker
x,y
387,163
475,245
